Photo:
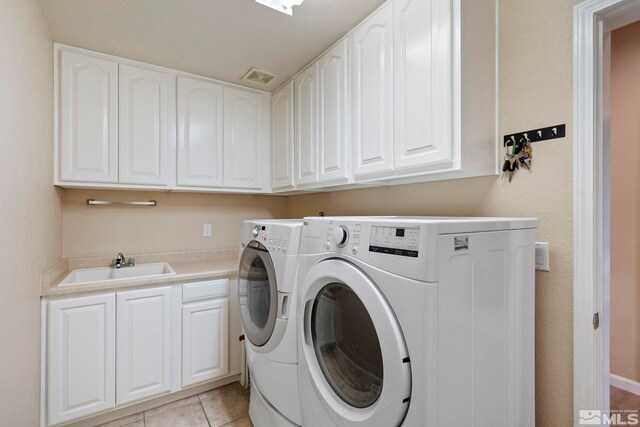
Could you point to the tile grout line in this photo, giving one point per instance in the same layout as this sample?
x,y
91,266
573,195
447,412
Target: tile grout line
x,y
205,412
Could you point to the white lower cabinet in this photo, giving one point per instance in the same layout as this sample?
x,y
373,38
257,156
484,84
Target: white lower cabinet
x,y
144,341
107,351
81,357
205,333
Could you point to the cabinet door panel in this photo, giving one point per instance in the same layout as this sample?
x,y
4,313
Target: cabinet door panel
x,y
143,144
205,341
282,123
307,126
200,128
333,113
423,127
144,344
373,94
242,139
88,139
81,357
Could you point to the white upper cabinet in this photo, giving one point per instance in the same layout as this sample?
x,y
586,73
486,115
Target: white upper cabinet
x,y
123,124
144,150
282,139
423,83
333,114
88,118
408,95
81,357
144,344
200,126
306,118
242,139
372,69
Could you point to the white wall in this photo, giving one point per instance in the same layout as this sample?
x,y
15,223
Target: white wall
x,y
30,207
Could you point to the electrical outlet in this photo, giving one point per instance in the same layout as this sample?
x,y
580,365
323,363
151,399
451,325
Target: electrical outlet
x,y
542,256
206,230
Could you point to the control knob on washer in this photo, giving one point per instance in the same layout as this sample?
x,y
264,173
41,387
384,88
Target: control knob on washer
x,y
340,236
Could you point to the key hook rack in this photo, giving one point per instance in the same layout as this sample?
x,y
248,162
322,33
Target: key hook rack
x,y
536,135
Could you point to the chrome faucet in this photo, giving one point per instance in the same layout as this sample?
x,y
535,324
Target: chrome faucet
x,y
121,261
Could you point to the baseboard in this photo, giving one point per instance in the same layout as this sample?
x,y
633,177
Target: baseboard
x,y
114,414
625,384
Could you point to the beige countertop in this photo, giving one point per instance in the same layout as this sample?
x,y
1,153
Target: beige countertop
x,y
187,266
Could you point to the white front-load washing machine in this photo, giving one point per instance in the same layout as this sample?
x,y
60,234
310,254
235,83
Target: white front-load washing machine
x,y
416,321
267,295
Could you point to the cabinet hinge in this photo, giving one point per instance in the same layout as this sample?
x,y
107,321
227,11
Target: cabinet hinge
x,y
596,320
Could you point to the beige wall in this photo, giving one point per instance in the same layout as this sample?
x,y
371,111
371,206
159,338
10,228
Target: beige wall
x,y
625,202
536,90
174,225
30,207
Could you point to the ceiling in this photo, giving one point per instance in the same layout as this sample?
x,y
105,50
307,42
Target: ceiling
x,y
221,39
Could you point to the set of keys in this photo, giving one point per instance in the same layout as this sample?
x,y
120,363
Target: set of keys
x,y
518,155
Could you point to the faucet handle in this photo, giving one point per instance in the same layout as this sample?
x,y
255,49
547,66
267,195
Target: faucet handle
x,y
131,262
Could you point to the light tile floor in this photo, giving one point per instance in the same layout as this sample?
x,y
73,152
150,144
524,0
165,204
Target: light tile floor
x,y
226,406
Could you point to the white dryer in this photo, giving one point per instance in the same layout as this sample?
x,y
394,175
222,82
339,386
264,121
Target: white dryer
x,y
267,295
417,322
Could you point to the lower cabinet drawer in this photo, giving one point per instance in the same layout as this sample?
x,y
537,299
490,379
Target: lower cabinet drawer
x,y
205,341
210,289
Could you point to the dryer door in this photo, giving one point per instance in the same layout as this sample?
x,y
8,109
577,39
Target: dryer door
x,y
354,349
258,293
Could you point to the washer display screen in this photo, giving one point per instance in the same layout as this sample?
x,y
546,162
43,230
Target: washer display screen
x,y
401,241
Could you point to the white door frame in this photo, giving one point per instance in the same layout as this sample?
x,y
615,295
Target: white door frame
x,y
593,22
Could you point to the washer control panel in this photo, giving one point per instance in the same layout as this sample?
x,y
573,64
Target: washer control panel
x,y
340,235
395,245
398,240
402,241
274,241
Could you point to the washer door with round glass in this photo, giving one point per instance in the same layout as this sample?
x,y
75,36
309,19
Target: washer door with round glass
x,y
258,294
354,349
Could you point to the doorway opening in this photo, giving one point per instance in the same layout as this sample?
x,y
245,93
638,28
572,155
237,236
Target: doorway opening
x,y
594,224
624,228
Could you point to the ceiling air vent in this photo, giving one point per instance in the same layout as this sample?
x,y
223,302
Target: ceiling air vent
x,y
256,75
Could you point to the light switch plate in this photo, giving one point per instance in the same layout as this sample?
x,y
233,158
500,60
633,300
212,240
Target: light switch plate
x,y
542,256
206,230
